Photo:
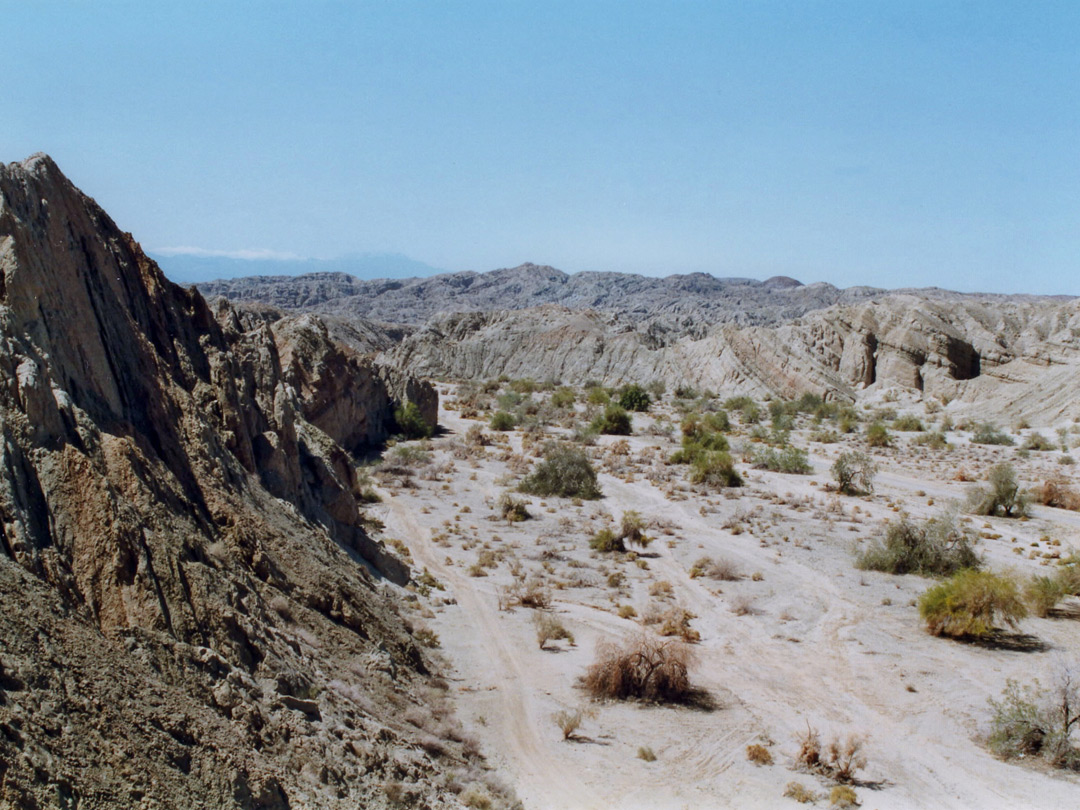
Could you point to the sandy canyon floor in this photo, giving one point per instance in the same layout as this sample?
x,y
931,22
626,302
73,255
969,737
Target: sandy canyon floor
x,y
801,638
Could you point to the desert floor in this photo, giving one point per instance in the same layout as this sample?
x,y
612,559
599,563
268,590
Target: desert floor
x,y
801,638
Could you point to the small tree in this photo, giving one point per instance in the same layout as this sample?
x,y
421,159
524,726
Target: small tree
x,y
1002,497
854,473
1035,722
646,668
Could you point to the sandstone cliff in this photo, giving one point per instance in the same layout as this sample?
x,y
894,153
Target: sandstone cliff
x,y
185,620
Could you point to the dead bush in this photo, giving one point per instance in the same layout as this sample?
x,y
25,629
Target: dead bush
x,y
550,628
838,760
568,721
1058,492
676,622
644,668
759,754
722,569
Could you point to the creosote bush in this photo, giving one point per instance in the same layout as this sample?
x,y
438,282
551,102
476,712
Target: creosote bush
x,y
644,668
759,754
854,473
614,421
565,472
606,541
502,421
715,468
634,398
989,433
935,547
877,435
971,603
785,460
512,510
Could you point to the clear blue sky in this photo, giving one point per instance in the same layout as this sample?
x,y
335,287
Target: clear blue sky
x,y
883,143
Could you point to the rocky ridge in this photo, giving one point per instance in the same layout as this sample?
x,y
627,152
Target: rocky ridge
x,y
191,612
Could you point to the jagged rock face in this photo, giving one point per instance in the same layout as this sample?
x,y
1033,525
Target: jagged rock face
x,y
179,529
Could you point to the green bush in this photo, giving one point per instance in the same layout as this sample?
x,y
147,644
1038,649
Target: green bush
x,y
935,440
563,398
1042,593
715,468
989,433
565,472
936,547
908,424
1002,497
596,395
614,421
788,460
501,420
877,435
606,541
634,398
1038,442
970,603
854,473
1032,721
411,423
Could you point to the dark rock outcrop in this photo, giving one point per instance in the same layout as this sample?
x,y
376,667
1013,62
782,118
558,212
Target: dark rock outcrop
x,y
178,533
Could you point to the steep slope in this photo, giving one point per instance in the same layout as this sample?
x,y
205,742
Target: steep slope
x,y
185,620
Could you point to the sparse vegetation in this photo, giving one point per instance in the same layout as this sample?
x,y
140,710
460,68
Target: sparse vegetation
x,y
839,760
935,547
786,460
971,603
550,628
800,793
854,473
614,421
568,721
989,433
1002,497
410,422
645,668
1032,721
565,472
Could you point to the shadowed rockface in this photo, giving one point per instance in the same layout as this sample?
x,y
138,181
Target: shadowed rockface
x,y
184,619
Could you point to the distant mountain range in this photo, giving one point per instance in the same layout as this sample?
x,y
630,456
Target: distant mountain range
x,y
194,268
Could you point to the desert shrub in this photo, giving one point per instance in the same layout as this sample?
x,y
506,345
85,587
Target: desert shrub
x,y
697,440
596,395
800,793
936,547
502,421
715,468
644,668
838,760
1002,497
877,435
523,386
646,753
563,397
824,436
854,472
606,541
696,426
1042,593
512,509
549,628
408,456
1037,442
971,603
1031,721
565,472
748,410
614,421
788,460
675,621
568,721
410,422
634,398
476,797
843,796
908,424
935,440
632,529
722,569
759,754
1058,492
989,433
1068,575
626,612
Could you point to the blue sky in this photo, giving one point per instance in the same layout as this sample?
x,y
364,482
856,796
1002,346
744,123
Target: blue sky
x,y
882,143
